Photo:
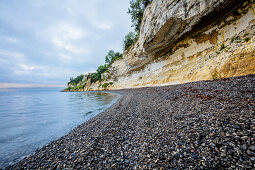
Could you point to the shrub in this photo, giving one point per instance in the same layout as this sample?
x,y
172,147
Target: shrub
x,y
222,47
234,38
101,69
247,39
246,34
75,80
79,87
105,85
214,77
94,77
67,89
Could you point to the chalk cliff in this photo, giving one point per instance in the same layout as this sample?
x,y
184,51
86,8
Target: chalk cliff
x,y
187,40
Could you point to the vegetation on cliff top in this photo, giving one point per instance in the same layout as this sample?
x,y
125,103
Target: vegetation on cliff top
x,y
75,80
136,11
130,39
112,56
97,76
94,77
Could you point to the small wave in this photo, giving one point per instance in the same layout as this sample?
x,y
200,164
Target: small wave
x,y
88,112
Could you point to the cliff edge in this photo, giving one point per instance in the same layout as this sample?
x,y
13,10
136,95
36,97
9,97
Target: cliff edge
x,y
184,41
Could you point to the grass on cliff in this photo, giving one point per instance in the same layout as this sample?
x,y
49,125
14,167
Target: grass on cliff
x,y
105,85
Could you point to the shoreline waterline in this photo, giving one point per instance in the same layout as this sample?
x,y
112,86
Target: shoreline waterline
x,y
32,118
170,127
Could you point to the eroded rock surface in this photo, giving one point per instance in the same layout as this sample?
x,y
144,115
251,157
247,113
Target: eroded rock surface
x,y
189,40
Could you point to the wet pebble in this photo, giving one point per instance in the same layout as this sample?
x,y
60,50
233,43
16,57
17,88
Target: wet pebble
x,y
200,125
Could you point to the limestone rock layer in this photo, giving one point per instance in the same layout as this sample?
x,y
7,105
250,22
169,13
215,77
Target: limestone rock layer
x,y
188,40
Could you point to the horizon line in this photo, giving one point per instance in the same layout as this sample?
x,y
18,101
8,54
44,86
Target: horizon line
x,y
27,85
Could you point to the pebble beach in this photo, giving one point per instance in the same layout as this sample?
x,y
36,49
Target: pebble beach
x,y
199,125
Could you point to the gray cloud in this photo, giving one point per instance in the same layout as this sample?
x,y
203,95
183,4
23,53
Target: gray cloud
x,y
48,41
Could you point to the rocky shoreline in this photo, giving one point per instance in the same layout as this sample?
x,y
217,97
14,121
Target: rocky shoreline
x,y
200,125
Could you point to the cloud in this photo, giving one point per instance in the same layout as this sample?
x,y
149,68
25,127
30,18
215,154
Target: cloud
x,y
66,38
65,57
51,41
26,67
8,39
66,31
65,45
105,26
70,32
11,54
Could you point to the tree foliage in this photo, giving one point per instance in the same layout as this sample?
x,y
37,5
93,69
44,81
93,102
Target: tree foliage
x,y
75,80
101,69
94,77
136,10
130,38
112,56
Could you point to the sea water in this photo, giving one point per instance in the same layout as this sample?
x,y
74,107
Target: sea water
x,y
33,117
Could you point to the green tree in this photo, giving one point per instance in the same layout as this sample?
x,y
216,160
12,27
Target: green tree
x,y
136,10
76,80
101,69
94,77
118,55
109,57
130,38
71,79
112,56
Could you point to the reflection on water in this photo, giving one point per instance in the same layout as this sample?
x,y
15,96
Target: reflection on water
x,y
31,118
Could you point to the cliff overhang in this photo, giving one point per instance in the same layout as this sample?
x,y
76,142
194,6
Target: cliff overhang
x,y
187,40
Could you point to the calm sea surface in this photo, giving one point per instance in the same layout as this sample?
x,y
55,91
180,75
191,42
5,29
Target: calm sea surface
x,y
33,117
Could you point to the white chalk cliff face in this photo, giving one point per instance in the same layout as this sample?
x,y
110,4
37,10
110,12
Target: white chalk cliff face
x,y
189,40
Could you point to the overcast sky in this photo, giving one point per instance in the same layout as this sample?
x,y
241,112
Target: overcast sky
x,y
49,41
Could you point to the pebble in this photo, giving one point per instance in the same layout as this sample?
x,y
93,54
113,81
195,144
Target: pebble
x,y
244,147
252,147
206,125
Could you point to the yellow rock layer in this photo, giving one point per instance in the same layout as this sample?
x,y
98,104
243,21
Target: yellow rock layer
x,y
225,50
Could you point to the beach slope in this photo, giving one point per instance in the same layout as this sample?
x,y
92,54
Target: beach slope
x,y
206,124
